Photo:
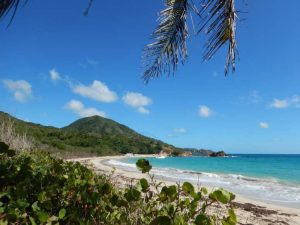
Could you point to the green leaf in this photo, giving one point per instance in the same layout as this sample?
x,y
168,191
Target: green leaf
x,y
62,213
231,219
232,196
143,185
143,165
222,196
35,207
232,214
132,195
161,220
204,190
179,220
202,219
106,188
53,218
188,188
5,222
43,217
197,196
32,221
42,197
168,193
114,199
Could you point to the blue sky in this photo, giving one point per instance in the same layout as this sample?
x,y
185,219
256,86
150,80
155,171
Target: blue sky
x,y
57,65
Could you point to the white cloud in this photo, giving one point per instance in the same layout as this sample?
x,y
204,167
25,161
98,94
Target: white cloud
x,y
295,101
138,101
285,103
54,75
264,125
180,130
205,111
143,110
97,91
78,108
176,132
280,104
254,97
89,63
21,89
92,62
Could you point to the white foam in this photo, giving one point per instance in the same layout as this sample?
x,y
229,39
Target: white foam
x,y
267,190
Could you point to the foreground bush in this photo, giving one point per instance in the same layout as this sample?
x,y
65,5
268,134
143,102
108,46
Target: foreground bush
x,y
36,188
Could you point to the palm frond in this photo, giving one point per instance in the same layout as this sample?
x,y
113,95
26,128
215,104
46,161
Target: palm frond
x,y
170,36
10,5
87,10
219,22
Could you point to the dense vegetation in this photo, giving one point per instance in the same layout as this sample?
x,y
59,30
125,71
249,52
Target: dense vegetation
x,y
36,188
89,136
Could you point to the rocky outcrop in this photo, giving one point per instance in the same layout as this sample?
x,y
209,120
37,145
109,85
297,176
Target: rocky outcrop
x,y
218,154
185,154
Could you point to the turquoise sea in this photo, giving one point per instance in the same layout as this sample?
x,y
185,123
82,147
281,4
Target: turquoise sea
x,y
269,178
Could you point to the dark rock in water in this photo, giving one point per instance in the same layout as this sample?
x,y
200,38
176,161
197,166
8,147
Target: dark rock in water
x,y
218,154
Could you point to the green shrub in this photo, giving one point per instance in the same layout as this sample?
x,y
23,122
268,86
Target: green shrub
x,y
36,188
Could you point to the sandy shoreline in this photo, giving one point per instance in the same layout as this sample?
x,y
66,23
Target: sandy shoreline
x,y
248,210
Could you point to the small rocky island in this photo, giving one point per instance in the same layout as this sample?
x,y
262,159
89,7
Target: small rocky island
x,y
218,154
192,152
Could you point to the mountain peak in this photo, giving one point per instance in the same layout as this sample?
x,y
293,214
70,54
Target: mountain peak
x,y
99,125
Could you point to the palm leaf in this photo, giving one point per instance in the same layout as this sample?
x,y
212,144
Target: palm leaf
x,y
170,36
219,23
10,5
87,10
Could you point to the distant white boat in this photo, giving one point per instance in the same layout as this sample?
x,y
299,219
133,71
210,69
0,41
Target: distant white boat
x,y
161,157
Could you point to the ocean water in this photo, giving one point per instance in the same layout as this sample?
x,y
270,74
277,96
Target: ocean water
x,y
269,178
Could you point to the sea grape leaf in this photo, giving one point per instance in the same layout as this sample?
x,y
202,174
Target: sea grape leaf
x,y
204,190
43,217
143,185
42,197
202,219
231,219
222,196
168,192
62,213
114,199
143,165
132,195
106,188
32,221
197,196
232,214
35,206
161,220
188,188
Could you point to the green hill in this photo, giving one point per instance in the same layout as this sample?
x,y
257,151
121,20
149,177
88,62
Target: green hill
x,y
89,136
99,125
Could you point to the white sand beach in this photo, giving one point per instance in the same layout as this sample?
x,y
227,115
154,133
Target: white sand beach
x,y
249,211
